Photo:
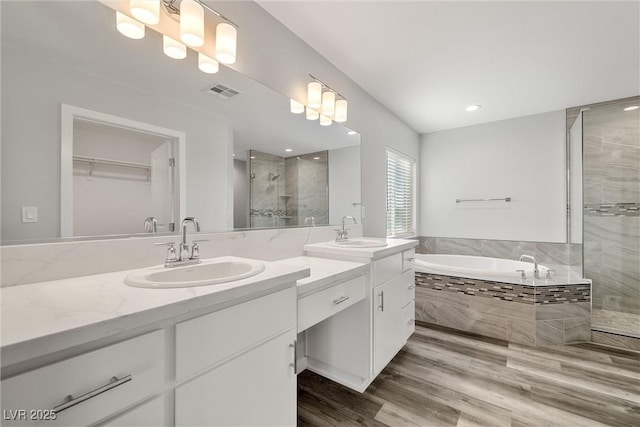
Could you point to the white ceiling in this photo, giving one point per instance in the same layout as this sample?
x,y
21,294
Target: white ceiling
x,y
427,60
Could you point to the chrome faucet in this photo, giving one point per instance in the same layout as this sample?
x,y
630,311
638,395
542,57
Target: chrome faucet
x,y
184,256
343,234
151,224
536,273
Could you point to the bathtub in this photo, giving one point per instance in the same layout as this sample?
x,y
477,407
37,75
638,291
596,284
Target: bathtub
x,y
476,267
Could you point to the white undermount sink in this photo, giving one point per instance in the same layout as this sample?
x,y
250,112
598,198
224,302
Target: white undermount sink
x,y
359,242
209,272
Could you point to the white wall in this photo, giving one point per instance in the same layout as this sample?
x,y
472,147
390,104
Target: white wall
x,y
523,158
271,54
344,183
31,139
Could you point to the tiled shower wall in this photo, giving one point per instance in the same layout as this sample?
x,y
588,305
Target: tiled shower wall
x,y
611,177
556,255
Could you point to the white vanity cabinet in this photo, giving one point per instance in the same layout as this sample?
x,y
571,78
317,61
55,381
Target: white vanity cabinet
x,y
237,366
354,345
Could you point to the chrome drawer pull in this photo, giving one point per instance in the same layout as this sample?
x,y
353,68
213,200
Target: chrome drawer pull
x,y
340,300
381,306
412,287
410,259
70,401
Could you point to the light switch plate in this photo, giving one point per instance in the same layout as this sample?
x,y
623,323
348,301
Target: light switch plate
x,y
29,214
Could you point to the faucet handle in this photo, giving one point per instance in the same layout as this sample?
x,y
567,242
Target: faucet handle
x,y
195,249
171,251
522,275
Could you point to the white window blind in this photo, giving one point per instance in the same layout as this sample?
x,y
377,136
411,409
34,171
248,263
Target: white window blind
x,y
400,194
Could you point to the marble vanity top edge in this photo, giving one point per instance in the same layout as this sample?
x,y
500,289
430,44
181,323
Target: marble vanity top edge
x,y
41,318
325,272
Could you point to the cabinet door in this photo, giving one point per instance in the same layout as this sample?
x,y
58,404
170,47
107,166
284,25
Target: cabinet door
x,y
388,331
255,388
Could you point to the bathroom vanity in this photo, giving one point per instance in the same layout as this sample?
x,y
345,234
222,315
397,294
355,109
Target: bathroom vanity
x,y
93,351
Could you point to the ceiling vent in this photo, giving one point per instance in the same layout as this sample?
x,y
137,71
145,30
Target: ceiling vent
x,y
223,91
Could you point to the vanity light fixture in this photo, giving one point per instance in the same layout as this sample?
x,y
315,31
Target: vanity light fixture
x,y
296,107
145,11
129,27
323,103
631,108
173,48
472,108
190,16
207,65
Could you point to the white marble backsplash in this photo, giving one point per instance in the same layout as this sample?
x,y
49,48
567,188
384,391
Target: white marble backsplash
x,y
23,264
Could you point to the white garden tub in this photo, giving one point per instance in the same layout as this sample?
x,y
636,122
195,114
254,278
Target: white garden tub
x,y
476,267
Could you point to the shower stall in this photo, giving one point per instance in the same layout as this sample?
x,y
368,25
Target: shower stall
x,y
605,139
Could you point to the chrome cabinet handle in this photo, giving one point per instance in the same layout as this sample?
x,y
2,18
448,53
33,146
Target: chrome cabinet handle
x,y
294,365
70,401
340,300
381,306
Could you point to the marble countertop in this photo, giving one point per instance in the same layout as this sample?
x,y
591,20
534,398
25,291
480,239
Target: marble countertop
x,y
393,246
324,272
42,318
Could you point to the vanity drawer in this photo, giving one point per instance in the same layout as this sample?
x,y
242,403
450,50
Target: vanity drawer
x,y
137,364
409,320
385,269
408,259
317,307
210,339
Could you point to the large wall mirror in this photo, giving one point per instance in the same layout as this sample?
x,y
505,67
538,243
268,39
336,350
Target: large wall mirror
x,y
242,159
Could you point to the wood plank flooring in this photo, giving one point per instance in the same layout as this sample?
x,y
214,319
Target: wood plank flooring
x,y
447,378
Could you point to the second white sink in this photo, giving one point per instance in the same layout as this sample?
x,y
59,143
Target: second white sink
x,y
210,272
360,242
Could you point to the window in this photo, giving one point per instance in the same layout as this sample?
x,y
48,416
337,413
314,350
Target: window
x,y
400,194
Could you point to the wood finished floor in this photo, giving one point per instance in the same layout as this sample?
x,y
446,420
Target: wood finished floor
x,y
445,378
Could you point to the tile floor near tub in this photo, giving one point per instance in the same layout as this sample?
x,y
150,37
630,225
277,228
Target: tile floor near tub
x,y
447,378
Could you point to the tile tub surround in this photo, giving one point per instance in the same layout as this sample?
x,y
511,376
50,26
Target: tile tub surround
x,y
559,256
524,314
32,263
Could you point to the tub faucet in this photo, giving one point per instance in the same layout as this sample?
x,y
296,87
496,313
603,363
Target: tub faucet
x,y
343,234
536,273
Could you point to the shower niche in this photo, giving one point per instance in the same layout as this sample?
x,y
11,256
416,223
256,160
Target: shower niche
x,y
288,191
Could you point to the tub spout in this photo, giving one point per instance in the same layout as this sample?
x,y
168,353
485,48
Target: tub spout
x,y
536,272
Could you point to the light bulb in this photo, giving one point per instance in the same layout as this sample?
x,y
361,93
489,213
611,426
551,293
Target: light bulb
x,y
173,48
328,103
207,65
129,26
191,23
341,111
226,39
325,121
296,107
147,11
314,95
312,114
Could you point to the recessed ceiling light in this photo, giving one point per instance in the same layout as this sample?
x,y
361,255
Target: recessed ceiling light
x,y
288,150
234,154
472,108
631,108
252,157
316,158
352,132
